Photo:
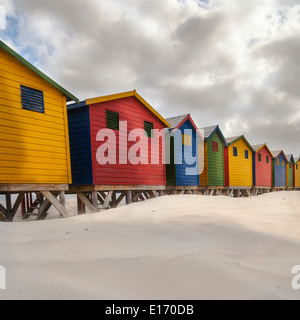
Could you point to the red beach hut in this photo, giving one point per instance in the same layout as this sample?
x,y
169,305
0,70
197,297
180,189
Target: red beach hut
x,y
262,166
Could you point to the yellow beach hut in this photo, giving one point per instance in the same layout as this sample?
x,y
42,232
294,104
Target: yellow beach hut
x,y
34,140
238,162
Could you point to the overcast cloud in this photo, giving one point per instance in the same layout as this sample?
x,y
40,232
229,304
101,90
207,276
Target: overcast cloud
x,y
233,63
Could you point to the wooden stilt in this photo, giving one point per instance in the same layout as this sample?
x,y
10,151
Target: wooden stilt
x,y
79,206
95,200
87,202
129,197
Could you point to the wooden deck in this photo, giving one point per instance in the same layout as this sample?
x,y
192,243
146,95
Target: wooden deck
x,y
37,199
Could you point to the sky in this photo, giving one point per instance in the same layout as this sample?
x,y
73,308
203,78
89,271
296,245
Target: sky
x,y
228,62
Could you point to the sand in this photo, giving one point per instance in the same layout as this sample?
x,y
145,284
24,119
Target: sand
x,y
172,247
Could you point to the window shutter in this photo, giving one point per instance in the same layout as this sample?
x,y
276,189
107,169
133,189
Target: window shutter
x,y
148,127
112,120
259,157
215,146
235,153
246,154
186,140
32,99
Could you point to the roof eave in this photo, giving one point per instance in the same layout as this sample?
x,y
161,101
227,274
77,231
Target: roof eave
x,y
222,136
126,95
69,96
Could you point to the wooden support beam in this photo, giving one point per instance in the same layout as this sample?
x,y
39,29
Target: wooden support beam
x,y
129,197
86,202
107,200
100,199
62,198
3,210
79,206
113,200
136,196
154,194
59,207
43,209
146,195
121,197
95,200
17,204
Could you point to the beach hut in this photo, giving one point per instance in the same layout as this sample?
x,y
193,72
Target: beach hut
x,y
183,170
213,167
238,163
262,166
290,171
279,169
113,143
34,140
297,173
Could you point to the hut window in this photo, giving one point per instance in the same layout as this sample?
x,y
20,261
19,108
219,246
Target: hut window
x,y
32,99
290,166
296,167
215,146
235,153
267,159
278,162
148,127
283,163
112,120
246,154
186,140
259,157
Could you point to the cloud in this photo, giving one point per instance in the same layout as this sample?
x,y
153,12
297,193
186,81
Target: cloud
x,y
229,62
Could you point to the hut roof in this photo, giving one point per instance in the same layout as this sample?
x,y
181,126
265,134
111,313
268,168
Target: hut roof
x,y
232,140
209,131
277,153
120,96
177,122
258,147
290,158
27,64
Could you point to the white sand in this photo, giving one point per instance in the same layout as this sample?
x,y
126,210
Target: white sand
x,y
173,247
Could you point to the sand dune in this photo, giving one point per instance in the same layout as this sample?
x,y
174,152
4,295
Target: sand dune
x,y
173,247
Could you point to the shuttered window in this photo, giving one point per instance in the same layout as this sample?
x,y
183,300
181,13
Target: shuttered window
x,y
186,140
235,153
283,163
296,167
32,99
246,154
148,127
112,120
267,159
290,166
259,157
215,146
277,162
